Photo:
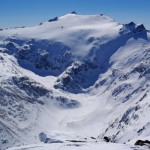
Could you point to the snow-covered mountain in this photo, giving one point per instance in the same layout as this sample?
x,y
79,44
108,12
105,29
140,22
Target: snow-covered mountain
x,y
85,75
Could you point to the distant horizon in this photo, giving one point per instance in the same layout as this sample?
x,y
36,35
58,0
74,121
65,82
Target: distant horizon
x,y
18,13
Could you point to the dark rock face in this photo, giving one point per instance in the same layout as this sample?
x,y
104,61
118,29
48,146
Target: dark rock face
x,y
74,12
32,88
130,24
79,76
52,57
140,28
54,19
132,28
67,103
142,143
107,139
42,55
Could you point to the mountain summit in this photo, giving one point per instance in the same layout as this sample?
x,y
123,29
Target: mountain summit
x,y
75,74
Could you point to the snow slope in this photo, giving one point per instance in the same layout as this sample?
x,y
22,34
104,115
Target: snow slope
x,y
75,74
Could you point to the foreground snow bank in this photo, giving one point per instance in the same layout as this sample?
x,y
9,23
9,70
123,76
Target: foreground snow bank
x,y
59,140
79,146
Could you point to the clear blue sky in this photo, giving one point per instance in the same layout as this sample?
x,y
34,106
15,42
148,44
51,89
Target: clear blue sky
x,y
31,12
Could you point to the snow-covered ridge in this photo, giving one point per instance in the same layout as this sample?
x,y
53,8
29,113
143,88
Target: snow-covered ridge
x,y
75,73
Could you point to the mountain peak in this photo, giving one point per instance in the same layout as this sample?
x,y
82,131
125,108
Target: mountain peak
x,y
71,71
140,28
73,12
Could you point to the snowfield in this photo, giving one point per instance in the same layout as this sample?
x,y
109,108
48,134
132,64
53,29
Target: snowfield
x,y
79,146
75,79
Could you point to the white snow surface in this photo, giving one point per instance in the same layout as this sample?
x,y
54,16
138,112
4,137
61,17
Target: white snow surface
x,y
108,73
78,146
